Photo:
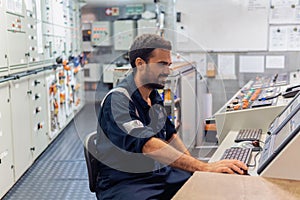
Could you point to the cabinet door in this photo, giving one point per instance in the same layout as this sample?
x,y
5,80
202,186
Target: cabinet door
x,y
38,112
20,96
6,154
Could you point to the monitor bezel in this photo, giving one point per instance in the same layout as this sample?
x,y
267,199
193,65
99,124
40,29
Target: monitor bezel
x,y
284,143
287,118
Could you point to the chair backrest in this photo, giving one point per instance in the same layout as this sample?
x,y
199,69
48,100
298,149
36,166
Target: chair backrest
x,y
90,153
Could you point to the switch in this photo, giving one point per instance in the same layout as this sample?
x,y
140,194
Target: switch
x,y
39,126
38,109
36,82
36,96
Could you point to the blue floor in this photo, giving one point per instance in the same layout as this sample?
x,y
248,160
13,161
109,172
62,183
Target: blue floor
x,y
60,172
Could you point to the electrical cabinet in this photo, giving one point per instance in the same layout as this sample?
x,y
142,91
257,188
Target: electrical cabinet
x,y
146,26
108,73
68,10
21,128
77,31
48,29
65,96
6,153
58,46
52,104
101,33
59,41
48,47
69,41
17,49
78,90
124,34
31,32
3,50
93,72
61,97
36,103
47,10
57,7
38,110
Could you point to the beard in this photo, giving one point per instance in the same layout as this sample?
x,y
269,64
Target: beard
x,y
157,84
154,86
154,83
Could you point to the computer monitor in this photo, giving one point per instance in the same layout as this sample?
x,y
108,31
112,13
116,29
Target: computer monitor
x,y
285,115
277,142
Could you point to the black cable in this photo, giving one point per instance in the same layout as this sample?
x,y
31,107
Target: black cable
x,y
268,98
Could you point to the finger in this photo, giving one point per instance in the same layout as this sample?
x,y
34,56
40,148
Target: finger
x,y
228,170
237,169
241,165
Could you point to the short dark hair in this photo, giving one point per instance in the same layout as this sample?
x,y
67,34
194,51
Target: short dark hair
x,y
143,46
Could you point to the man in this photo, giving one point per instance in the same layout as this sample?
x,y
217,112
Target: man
x,y
142,157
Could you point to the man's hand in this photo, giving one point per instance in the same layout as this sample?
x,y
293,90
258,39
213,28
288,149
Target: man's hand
x,y
227,166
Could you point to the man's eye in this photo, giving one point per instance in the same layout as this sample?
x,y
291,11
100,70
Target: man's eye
x,y
163,64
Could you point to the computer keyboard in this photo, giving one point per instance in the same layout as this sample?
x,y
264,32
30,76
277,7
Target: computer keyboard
x,y
248,135
242,154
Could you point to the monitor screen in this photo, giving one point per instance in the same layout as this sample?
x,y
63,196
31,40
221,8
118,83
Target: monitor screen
x,y
286,131
281,119
275,143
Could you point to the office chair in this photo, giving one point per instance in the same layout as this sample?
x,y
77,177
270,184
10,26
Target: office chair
x,y
90,154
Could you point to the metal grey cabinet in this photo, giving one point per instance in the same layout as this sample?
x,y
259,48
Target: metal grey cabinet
x,y
20,116
6,150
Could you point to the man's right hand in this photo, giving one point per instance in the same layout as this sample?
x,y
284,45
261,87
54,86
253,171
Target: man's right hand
x,y
227,166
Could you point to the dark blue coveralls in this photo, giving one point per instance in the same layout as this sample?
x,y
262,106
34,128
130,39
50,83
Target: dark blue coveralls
x,y
126,124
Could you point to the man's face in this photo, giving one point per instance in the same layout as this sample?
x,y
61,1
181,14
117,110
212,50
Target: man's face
x,y
157,69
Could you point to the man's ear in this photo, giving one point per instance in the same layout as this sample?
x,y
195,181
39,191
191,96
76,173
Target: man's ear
x,y
139,62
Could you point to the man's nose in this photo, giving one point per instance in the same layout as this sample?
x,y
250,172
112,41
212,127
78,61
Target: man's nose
x,y
167,70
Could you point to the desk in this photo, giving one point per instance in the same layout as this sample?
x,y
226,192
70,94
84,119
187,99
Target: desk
x,y
204,185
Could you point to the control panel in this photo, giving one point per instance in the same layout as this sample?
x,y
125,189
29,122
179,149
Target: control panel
x,y
255,105
101,33
253,98
259,92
